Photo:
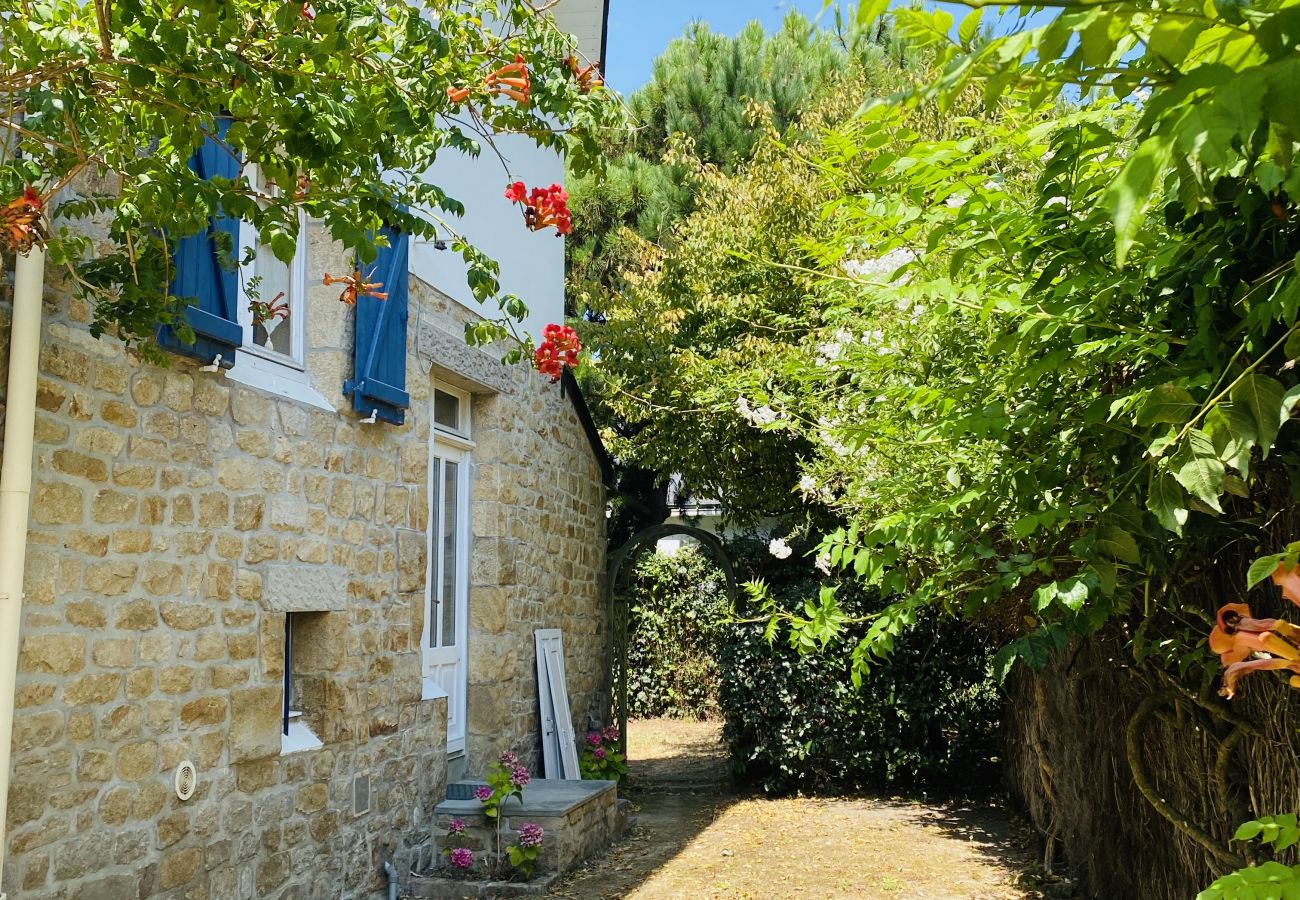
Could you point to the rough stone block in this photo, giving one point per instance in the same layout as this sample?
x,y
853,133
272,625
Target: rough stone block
x,y
304,588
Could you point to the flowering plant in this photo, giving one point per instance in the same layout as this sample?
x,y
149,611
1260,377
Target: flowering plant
x,y
559,348
543,207
506,778
601,758
462,858
523,855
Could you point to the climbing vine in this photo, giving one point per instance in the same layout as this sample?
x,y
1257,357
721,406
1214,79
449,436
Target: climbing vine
x,y
102,105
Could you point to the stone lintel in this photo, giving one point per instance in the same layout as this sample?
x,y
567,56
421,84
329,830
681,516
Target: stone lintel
x,y
304,587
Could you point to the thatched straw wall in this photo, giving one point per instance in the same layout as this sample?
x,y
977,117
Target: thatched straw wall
x,y
1077,729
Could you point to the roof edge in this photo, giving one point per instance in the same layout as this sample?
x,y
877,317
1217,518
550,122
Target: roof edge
x,y
569,386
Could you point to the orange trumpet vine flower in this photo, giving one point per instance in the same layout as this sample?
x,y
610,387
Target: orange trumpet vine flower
x,y
276,308
457,95
511,80
355,285
20,221
1288,579
1246,644
588,77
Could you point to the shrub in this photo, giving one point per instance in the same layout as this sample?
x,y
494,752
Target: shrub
x,y
678,605
925,717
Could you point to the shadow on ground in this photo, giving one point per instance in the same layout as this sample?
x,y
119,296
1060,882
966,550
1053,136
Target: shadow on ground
x,y
696,838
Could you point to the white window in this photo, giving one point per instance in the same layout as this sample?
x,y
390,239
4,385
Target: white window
x,y
445,637
274,354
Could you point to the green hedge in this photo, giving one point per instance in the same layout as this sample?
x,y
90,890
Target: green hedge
x,y
926,717
678,607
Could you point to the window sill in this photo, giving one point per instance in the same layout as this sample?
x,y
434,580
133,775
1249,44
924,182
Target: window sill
x,y
431,690
298,739
276,378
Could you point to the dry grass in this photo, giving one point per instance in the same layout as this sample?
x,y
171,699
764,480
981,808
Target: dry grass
x,y
710,844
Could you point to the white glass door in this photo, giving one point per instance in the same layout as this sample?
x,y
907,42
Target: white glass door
x,y
446,625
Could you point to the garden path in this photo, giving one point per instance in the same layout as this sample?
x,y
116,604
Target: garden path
x,y
695,838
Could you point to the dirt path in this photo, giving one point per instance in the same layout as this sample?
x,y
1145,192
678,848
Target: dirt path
x,y
694,838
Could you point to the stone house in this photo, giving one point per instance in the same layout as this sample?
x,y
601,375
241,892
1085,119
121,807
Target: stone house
x,y
314,576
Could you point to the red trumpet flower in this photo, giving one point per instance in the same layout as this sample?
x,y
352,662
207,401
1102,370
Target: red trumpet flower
x,y
20,221
457,95
1247,645
543,207
559,348
356,286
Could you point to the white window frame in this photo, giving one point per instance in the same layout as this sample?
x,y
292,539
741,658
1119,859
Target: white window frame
x,y
462,435
276,373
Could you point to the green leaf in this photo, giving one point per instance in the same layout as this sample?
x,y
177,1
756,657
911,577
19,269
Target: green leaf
x,y
1248,831
1167,403
1130,195
1117,543
1262,398
1166,503
1198,468
1262,568
969,27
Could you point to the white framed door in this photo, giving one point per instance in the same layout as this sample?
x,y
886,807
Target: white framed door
x,y
445,641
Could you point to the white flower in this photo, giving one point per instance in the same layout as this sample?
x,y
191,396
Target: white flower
x,y
808,485
954,201
880,266
828,352
764,415
779,548
823,564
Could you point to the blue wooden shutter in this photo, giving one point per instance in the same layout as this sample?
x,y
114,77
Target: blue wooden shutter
x,y
203,275
379,383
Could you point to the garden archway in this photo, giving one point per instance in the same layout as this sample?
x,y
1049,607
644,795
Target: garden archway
x,y
621,564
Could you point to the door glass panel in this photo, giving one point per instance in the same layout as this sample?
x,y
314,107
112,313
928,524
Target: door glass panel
x,y
450,521
435,558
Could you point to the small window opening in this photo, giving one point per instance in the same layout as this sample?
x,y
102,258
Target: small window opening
x,y
295,733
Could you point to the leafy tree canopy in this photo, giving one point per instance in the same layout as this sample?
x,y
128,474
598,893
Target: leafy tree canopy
x,y
1029,331
340,104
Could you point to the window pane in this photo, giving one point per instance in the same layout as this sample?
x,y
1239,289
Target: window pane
x,y
446,410
435,560
273,286
450,521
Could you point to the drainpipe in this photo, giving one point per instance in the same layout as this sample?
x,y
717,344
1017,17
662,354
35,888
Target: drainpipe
x,y
15,494
389,870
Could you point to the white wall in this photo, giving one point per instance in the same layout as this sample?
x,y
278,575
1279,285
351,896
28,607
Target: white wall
x,y
532,263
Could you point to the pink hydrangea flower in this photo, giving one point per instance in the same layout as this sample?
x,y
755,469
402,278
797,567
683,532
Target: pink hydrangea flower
x,y
462,858
520,777
483,793
456,826
599,753
530,835
509,760
610,733
593,739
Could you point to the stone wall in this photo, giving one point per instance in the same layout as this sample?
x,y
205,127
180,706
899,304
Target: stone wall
x,y
176,515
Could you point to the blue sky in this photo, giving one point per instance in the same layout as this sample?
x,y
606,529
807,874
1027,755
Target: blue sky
x,y
639,30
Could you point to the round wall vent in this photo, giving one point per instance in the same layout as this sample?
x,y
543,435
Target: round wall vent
x,y
187,779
